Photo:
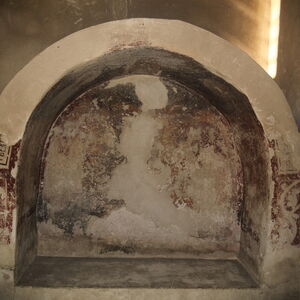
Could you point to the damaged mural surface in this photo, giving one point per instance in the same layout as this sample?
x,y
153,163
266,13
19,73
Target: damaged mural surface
x,y
8,164
285,211
140,165
144,165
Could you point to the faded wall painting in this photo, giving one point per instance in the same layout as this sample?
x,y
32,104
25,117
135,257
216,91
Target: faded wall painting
x,y
140,165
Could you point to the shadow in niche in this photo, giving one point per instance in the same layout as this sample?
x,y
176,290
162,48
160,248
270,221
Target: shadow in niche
x,y
234,108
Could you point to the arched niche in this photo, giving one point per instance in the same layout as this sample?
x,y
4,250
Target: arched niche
x,y
250,199
226,78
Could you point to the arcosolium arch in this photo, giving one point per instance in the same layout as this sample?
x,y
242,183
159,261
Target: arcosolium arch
x,y
231,103
238,88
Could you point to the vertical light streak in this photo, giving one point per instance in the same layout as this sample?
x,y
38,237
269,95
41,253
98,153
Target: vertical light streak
x,y
273,37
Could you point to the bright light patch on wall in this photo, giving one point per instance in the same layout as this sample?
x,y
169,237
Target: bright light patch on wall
x,y
273,37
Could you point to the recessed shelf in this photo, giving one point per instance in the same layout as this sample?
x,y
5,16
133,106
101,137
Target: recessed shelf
x,y
136,273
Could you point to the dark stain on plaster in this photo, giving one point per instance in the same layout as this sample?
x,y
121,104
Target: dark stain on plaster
x,y
247,226
111,248
41,206
296,241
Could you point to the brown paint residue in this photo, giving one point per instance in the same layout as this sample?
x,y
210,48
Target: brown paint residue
x,y
285,210
86,134
185,141
8,200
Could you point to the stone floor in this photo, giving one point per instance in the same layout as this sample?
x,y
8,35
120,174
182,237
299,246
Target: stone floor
x,y
61,272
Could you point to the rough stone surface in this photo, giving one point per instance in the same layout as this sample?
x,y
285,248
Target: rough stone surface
x,y
140,165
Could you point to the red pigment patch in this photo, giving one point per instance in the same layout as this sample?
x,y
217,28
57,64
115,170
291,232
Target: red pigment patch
x,y
285,211
8,201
